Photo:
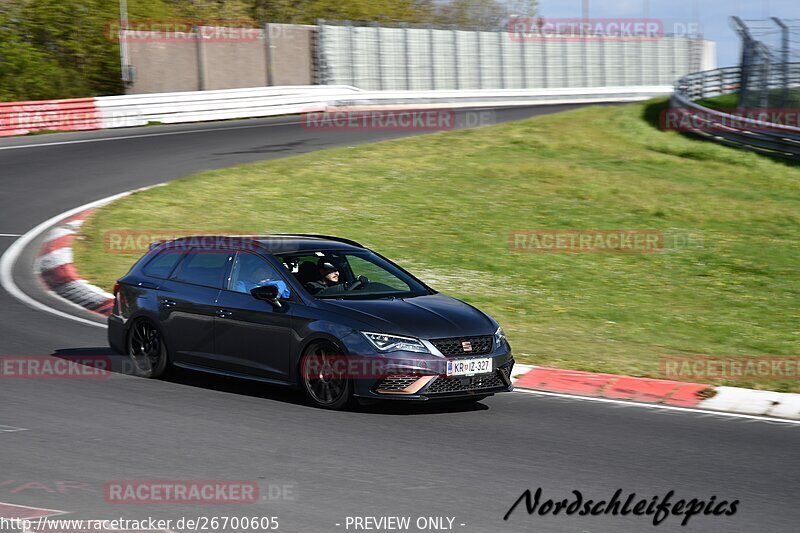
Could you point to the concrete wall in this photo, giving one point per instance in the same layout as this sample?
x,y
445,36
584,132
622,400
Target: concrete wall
x,y
234,64
291,58
281,54
164,66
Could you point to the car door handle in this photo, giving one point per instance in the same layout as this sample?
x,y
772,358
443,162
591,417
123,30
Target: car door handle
x,y
147,285
169,303
224,313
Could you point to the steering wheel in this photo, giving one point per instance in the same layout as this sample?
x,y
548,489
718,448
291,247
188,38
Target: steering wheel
x,y
359,282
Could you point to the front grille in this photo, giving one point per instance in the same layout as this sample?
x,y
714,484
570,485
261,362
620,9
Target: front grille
x,y
455,345
444,385
397,382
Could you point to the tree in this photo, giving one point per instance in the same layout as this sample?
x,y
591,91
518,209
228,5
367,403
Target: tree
x,y
69,48
523,8
310,11
483,14
62,48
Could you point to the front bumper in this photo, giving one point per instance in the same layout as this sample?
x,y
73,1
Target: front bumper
x,y
422,377
440,387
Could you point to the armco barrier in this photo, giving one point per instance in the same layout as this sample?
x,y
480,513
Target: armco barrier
x,y
198,106
500,97
173,108
19,118
740,132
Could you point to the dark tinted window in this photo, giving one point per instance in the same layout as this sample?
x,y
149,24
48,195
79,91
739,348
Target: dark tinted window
x,y
203,268
250,271
362,275
161,265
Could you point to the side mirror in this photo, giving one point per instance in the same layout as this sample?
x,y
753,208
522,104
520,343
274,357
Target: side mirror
x,y
268,293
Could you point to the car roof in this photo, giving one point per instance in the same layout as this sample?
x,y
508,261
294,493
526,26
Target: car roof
x,y
277,243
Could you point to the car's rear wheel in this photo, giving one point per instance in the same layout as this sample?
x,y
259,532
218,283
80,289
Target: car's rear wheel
x,y
324,382
146,349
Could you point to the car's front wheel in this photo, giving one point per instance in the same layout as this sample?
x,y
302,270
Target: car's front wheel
x,y
324,382
146,349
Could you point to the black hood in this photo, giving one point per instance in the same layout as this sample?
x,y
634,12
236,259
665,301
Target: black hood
x,y
427,317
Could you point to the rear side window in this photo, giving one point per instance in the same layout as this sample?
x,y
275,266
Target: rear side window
x,y
161,265
205,268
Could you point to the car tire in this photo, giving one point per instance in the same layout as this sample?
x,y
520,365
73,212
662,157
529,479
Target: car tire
x,y
147,350
321,385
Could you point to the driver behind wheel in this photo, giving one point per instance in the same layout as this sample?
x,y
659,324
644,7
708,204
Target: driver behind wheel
x,y
328,277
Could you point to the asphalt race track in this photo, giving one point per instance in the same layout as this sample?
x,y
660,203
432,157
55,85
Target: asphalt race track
x,y
315,468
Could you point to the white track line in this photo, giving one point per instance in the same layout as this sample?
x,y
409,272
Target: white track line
x,y
139,136
54,512
13,252
183,132
661,406
11,429
10,235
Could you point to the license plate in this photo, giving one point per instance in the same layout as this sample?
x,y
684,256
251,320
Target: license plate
x,y
468,367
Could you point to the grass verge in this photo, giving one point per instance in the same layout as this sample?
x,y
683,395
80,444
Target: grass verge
x,y
444,205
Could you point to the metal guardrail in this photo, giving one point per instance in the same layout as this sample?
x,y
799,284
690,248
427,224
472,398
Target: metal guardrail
x,y
498,97
200,106
738,131
105,112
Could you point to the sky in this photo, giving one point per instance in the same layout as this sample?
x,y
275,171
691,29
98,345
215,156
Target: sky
x,y
713,16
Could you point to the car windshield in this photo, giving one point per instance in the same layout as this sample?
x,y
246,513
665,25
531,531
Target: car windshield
x,y
344,274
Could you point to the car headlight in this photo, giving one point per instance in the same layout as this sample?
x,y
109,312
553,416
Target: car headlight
x,y
500,337
393,343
